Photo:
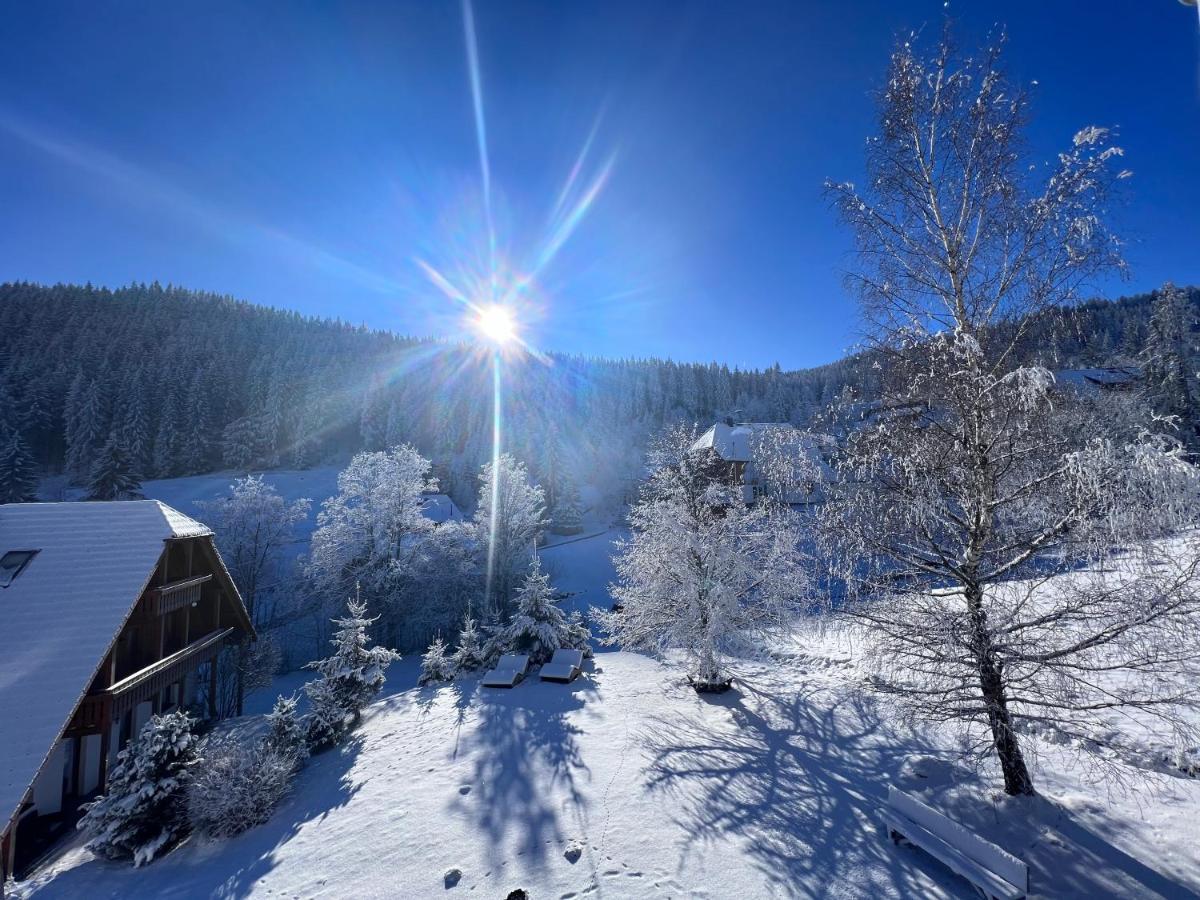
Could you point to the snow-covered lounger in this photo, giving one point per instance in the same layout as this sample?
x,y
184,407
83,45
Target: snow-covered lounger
x,y
508,672
564,666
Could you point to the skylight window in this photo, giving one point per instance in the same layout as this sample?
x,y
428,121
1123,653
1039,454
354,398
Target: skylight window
x,y
12,564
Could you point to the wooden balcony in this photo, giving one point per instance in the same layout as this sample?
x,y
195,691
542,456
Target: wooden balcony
x,y
176,595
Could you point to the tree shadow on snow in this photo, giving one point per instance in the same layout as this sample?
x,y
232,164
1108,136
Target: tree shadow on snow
x,y
526,754
800,778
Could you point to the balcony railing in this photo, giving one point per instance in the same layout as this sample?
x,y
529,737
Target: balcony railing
x,y
141,685
176,595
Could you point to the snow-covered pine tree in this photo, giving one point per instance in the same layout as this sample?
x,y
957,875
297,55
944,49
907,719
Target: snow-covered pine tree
x,y
703,571
113,476
286,729
1170,360
142,811
566,516
436,666
538,626
18,479
85,424
468,656
349,679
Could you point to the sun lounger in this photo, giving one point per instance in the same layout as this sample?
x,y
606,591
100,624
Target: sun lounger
x,y
508,672
565,666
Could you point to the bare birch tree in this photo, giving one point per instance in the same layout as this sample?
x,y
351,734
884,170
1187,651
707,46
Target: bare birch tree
x,y
974,479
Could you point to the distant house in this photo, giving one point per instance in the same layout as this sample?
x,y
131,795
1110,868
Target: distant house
x,y
439,508
738,443
109,613
1112,378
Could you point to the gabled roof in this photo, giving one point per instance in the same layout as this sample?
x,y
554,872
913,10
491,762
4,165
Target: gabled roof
x,y
731,442
61,614
439,508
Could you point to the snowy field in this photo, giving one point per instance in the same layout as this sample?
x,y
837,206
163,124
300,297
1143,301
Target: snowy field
x,y
628,784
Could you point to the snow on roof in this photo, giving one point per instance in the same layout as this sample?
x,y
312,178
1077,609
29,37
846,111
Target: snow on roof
x,y
731,442
63,611
1117,376
440,508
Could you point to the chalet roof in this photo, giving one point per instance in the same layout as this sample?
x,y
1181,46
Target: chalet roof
x,y
63,611
1113,377
731,442
440,508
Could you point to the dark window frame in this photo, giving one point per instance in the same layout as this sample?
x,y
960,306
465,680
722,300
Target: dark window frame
x,y
6,581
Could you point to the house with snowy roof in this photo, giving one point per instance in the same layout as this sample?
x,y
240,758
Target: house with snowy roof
x,y
801,457
109,613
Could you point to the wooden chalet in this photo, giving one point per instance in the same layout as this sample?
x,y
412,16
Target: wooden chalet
x,y
109,613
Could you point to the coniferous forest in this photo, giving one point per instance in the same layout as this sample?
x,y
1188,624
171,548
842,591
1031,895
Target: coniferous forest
x,y
187,382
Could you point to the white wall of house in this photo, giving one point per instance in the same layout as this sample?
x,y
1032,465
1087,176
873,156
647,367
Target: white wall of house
x,y
47,790
90,747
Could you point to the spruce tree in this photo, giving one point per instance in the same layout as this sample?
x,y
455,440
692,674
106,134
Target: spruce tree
x,y
539,627
349,679
113,476
142,810
18,479
469,655
566,517
435,664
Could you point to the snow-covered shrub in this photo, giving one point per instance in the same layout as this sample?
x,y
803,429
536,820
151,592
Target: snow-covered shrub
x,y
468,656
348,680
288,732
435,664
237,785
538,627
143,810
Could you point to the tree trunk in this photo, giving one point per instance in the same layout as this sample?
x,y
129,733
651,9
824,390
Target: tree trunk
x,y
1017,780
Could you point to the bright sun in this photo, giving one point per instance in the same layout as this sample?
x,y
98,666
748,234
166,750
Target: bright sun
x,y
496,323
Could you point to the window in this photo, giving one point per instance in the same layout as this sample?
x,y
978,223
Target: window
x,y
13,563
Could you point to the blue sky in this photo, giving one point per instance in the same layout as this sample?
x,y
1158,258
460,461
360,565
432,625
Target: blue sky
x,y
324,157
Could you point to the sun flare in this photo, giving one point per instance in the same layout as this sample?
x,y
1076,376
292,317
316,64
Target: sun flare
x,y
497,324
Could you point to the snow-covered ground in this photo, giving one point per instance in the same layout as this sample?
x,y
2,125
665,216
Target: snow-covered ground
x,y
768,791
628,784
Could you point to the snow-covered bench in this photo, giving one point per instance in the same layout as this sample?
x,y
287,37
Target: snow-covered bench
x,y
994,872
508,672
564,666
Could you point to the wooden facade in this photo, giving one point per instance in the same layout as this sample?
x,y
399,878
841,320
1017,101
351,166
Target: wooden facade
x,y
163,658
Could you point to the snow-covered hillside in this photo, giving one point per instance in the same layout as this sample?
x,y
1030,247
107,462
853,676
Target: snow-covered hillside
x,y
628,784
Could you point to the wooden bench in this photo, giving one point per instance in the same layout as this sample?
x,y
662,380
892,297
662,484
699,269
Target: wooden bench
x,y
993,871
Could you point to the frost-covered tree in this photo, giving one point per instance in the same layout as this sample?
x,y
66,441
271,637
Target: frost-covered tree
x,y
469,654
113,476
538,626
347,680
18,477
1170,360
703,571
436,665
142,811
971,480
566,516
286,730
371,534
509,519
253,524
237,784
